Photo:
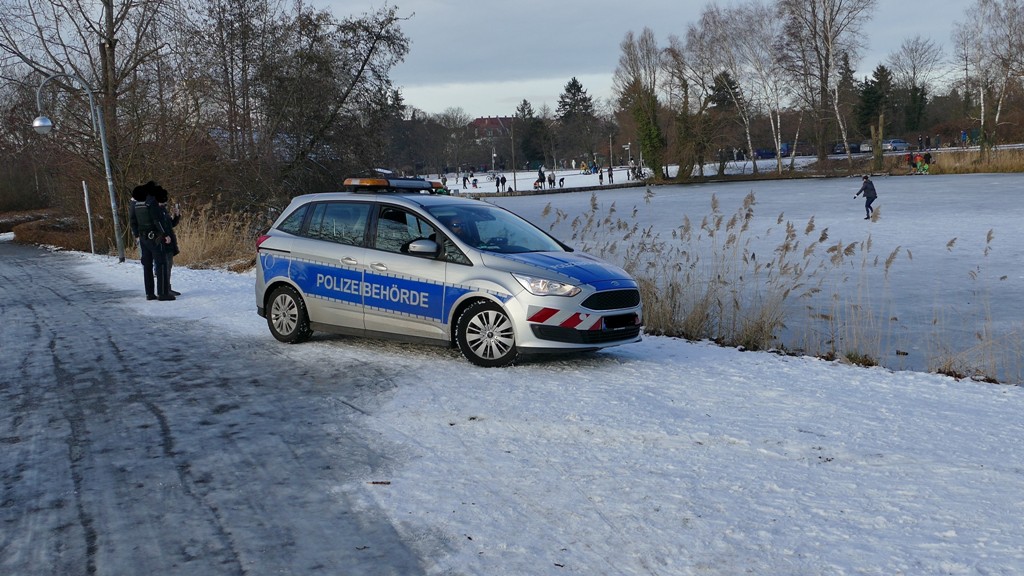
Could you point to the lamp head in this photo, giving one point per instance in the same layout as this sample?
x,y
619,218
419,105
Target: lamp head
x,y
42,125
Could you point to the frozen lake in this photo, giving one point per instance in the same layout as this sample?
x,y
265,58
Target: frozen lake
x,y
952,293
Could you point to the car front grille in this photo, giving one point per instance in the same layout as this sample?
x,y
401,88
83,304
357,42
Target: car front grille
x,y
613,299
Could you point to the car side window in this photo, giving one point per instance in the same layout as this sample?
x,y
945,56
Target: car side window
x,y
293,223
396,228
341,222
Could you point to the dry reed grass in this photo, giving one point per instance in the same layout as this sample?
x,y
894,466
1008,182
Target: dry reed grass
x,y
989,356
707,282
210,239
1010,160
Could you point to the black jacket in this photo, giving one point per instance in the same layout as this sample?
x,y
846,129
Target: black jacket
x,y
868,188
146,220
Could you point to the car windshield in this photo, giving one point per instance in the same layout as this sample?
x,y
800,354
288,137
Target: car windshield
x,y
492,229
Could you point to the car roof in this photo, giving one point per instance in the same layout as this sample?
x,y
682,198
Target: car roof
x,y
413,199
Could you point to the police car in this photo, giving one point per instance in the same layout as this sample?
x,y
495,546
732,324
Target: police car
x,y
390,258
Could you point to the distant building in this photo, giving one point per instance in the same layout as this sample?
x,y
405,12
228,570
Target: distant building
x,y
491,127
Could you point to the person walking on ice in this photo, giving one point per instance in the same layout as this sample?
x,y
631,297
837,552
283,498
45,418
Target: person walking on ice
x,y
868,189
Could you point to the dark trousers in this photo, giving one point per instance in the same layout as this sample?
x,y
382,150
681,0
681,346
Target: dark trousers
x,y
867,205
155,266
146,253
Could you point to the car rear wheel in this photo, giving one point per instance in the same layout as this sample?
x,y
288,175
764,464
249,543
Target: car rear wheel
x,y
287,317
485,335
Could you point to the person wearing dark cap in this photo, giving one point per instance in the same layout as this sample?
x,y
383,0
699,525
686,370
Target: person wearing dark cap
x,y
148,227
868,189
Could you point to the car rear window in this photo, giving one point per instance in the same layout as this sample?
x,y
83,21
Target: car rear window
x,y
293,223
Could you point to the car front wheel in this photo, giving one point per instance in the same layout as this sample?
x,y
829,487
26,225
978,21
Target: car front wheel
x,y
485,336
287,317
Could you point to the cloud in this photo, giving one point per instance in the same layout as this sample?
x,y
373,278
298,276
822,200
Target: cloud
x,y
487,56
486,98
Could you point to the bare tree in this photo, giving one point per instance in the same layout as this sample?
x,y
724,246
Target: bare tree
x,y
636,83
455,122
765,31
690,68
231,39
988,54
914,67
917,62
824,29
1002,60
104,43
748,42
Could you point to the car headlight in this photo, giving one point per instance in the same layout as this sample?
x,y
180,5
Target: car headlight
x,y
545,287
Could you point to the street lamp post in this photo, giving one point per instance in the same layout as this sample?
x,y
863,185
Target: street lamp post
x,y
43,125
512,139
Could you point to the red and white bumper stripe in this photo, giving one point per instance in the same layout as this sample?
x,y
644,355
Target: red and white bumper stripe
x,y
563,318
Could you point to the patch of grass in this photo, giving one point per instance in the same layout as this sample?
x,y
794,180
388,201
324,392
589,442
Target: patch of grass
x,y
860,359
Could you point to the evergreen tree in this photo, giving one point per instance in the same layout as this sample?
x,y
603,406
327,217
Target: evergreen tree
x,y
525,110
725,89
574,103
848,93
915,109
875,99
530,135
577,124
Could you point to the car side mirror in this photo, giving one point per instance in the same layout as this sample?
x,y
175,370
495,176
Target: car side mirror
x,y
424,247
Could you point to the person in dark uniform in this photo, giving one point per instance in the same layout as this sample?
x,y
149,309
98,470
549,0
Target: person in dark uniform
x,y
148,228
868,189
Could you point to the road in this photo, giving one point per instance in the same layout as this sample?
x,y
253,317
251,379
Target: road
x,y
135,447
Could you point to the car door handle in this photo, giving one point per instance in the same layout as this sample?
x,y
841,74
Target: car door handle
x,y
378,266
349,261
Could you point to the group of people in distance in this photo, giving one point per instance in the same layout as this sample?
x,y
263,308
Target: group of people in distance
x,y
919,163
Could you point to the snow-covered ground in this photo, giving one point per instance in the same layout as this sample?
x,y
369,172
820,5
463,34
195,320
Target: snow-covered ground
x,y
668,457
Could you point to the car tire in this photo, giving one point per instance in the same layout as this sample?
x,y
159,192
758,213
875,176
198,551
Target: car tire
x,y
485,335
287,317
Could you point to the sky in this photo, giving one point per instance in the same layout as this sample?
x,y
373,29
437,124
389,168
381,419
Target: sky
x,y
662,457
486,57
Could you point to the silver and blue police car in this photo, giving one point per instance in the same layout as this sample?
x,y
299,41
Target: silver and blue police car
x,y
390,259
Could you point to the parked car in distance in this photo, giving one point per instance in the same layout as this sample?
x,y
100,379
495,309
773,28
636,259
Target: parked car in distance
x,y
840,148
866,146
802,149
895,145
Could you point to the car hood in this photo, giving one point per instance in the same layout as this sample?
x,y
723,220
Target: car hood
x,y
577,267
